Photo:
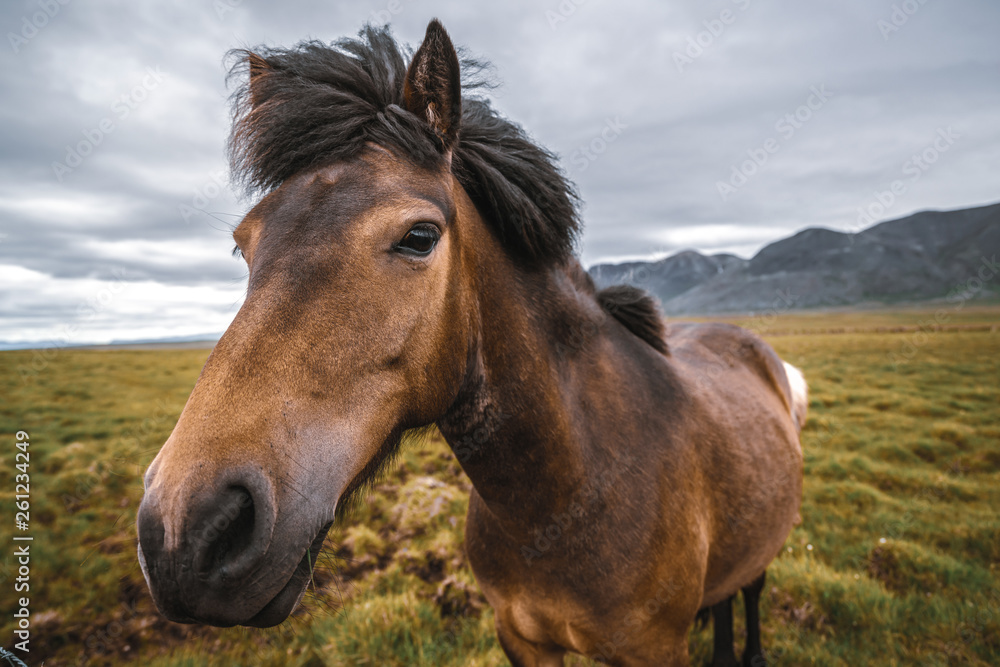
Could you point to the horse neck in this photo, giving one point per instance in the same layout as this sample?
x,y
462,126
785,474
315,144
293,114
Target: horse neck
x,y
516,424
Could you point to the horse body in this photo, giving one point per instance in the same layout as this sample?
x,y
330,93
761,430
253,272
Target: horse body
x,y
411,264
606,531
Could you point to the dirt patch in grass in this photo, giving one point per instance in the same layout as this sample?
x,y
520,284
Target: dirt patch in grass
x,y
882,564
801,613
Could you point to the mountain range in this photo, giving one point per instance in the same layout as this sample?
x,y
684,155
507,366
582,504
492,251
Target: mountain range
x,y
925,256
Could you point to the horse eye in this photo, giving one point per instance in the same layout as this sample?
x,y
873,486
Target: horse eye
x,y
420,240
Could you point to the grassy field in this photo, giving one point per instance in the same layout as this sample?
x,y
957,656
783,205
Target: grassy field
x,y
896,562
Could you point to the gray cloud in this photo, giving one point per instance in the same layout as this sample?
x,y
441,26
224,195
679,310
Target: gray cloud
x,y
143,85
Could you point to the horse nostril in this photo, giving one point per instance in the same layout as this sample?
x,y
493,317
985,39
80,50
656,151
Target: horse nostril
x,y
230,532
230,537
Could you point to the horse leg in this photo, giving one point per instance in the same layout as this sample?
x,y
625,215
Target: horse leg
x,y
523,653
753,655
722,628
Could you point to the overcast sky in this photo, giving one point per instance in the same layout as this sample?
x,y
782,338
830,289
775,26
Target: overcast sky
x,y
718,126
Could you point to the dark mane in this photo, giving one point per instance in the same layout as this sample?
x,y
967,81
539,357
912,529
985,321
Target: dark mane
x,y
315,104
638,311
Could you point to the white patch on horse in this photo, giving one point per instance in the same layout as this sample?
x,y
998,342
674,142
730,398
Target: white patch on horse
x,y
800,394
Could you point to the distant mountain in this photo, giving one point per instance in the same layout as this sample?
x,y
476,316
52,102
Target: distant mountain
x,y
928,255
168,340
195,340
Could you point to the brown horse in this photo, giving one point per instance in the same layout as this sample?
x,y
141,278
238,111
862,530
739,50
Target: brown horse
x,y
411,263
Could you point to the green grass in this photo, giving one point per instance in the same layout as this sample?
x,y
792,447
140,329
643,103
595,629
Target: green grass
x,y
895,562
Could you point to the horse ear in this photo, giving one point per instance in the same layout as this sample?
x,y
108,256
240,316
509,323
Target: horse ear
x,y
433,87
258,69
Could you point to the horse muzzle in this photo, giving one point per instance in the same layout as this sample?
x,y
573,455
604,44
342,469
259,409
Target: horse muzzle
x,y
211,553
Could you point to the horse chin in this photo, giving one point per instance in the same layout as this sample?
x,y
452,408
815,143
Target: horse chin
x,y
287,599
